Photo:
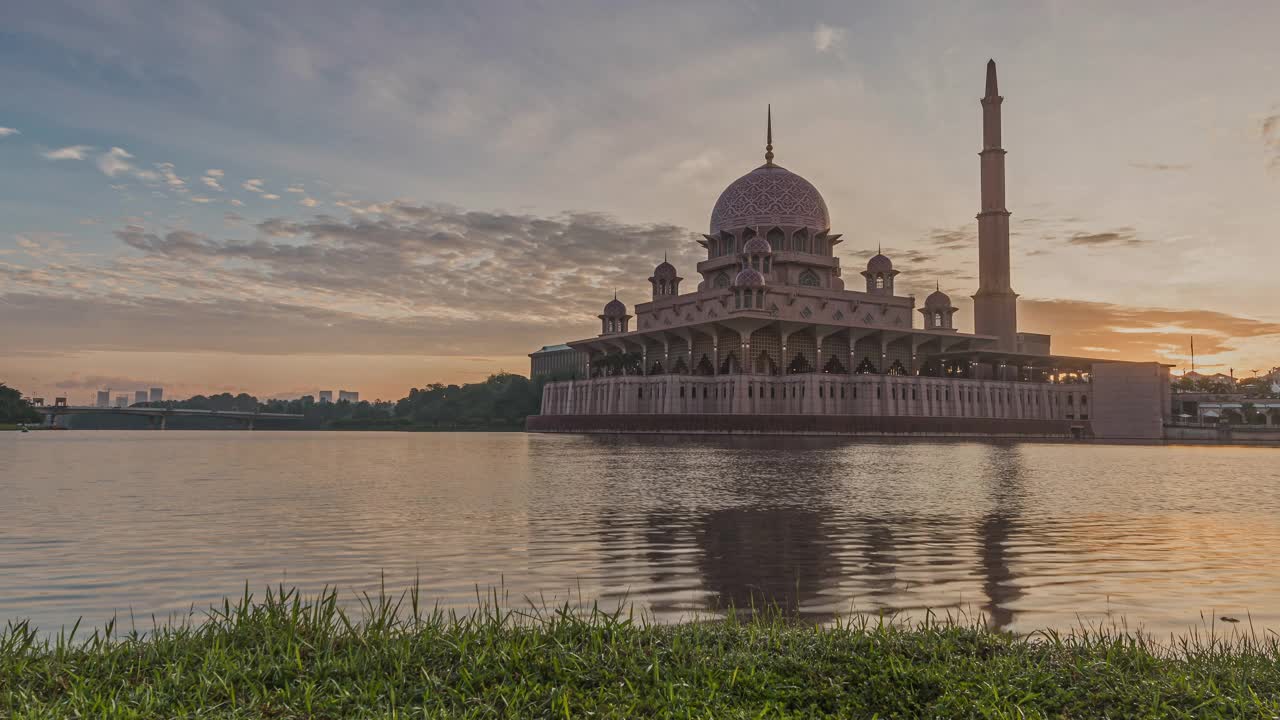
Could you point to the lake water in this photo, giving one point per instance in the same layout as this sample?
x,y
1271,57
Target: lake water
x,y
96,523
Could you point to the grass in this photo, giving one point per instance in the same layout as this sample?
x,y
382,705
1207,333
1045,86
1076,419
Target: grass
x,y
286,656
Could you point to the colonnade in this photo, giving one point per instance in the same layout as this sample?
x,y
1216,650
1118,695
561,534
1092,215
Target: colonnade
x,y
817,394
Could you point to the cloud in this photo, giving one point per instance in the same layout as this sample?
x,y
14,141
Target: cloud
x,y
103,382
295,189
1138,333
7,131
71,152
827,37
170,178
201,199
1123,236
211,182
1162,167
308,202
214,172
270,196
963,238
235,202
1271,138
253,185
114,162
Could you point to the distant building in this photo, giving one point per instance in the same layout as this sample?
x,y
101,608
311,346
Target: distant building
x,y
122,401
326,396
139,397
560,361
157,395
104,398
349,396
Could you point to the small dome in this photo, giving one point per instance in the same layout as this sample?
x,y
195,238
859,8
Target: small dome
x,y
757,246
937,298
664,271
879,263
749,278
770,195
615,308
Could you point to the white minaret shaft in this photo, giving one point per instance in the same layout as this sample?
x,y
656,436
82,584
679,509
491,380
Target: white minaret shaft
x,y
995,310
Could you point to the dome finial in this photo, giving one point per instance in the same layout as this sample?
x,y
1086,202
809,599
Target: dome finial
x,y
768,135
937,285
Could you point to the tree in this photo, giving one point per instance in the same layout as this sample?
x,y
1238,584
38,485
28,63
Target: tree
x,y
14,409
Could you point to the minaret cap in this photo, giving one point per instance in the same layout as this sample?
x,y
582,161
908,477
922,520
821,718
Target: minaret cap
x,y
992,89
768,136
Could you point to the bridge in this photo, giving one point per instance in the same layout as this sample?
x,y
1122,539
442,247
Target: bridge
x,y
158,417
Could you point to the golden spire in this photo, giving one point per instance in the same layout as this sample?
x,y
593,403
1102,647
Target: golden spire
x,y
768,137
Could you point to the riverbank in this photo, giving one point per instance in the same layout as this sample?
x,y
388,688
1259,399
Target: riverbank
x,y
284,656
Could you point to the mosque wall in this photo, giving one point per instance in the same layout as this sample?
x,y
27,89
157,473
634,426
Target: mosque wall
x,y
817,394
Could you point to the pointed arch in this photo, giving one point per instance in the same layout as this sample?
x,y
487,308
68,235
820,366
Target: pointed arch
x,y
721,280
799,364
809,278
704,366
776,238
727,243
800,241
730,365
765,364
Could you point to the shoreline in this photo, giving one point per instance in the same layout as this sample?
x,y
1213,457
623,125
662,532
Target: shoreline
x,y
290,656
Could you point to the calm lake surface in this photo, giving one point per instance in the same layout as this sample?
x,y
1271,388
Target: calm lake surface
x,y
100,523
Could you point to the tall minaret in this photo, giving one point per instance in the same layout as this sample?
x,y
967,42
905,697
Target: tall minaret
x,y
995,308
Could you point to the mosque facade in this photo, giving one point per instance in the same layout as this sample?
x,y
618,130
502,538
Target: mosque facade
x,y
774,338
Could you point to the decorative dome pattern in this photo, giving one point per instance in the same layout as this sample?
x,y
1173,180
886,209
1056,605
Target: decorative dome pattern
x,y
937,298
770,195
615,308
664,271
757,246
749,278
879,263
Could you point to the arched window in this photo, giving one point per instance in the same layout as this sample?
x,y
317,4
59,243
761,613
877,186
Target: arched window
x,y
809,278
727,244
737,299
776,238
755,262
721,281
879,281
759,299
800,241
767,264
937,319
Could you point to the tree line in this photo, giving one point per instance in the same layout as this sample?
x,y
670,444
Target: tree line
x,y
501,401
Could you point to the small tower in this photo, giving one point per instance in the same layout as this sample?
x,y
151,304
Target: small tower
x,y
614,319
665,281
937,311
879,275
757,254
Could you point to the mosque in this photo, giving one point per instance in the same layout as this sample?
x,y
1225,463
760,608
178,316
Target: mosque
x,y
772,340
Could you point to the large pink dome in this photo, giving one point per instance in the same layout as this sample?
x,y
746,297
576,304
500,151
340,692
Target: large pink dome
x,y
770,195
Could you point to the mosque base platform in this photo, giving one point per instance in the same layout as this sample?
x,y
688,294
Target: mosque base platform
x,y
853,425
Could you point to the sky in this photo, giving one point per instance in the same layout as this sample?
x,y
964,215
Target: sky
x,y
283,197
